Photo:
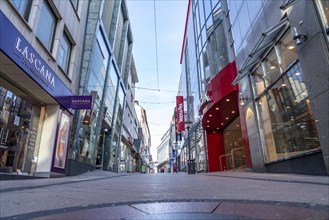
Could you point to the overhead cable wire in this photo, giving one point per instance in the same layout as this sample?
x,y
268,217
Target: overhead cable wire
x,y
157,124
156,103
158,90
156,43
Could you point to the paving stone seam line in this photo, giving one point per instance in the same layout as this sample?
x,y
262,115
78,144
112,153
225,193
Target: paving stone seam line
x,y
132,206
54,184
271,180
43,213
216,207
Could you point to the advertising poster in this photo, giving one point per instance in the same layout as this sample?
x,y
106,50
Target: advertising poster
x,y
62,142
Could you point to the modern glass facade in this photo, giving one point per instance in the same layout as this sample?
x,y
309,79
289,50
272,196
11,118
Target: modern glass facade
x,y
206,68
249,64
107,65
277,87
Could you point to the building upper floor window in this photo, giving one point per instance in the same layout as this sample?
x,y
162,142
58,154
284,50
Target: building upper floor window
x,y
75,4
46,26
23,7
64,53
216,56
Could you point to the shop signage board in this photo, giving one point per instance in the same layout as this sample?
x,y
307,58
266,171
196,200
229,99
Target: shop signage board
x,y
77,101
21,52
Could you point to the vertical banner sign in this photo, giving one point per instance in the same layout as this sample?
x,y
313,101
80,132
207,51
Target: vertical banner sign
x,y
180,113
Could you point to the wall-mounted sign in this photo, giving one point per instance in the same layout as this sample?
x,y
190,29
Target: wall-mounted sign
x,y
20,51
77,102
180,113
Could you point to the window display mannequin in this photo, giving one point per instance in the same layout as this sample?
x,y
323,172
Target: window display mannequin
x,y
22,136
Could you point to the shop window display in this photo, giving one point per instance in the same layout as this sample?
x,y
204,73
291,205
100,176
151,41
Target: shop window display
x,y
285,113
19,120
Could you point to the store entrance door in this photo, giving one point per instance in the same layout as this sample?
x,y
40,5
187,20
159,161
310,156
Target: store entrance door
x,y
233,145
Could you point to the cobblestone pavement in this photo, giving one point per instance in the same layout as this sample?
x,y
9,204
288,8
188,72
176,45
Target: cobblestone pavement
x,y
225,195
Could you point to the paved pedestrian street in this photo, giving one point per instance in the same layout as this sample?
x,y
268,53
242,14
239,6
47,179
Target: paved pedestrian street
x,y
225,195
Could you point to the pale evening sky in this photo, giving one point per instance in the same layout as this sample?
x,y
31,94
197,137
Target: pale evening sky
x,y
170,20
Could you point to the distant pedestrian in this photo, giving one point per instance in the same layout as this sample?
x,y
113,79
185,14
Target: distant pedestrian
x,y
162,169
175,168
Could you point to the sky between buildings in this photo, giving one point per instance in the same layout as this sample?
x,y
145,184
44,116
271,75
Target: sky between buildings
x,y
170,24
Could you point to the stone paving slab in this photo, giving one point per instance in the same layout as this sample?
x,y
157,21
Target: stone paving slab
x,y
177,207
152,195
272,211
283,177
114,212
200,210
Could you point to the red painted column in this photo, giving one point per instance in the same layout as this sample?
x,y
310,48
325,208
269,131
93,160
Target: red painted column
x,y
215,143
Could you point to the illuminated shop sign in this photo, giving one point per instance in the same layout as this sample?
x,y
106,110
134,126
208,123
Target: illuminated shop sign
x,y
20,51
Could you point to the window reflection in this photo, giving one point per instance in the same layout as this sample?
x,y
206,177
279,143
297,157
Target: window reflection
x,y
64,53
259,83
287,120
286,52
270,68
19,132
215,58
46,26
23,7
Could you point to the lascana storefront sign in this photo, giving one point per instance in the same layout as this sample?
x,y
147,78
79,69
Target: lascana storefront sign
x,y
15,46
35,65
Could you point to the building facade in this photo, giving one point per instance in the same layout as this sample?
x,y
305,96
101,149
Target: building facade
x,y
41,45
282,60
163,153
144,139
208,69
129,158
247,76
105,75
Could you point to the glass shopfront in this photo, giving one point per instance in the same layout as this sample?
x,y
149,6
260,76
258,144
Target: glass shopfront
x,y
284,109
19,126
323,9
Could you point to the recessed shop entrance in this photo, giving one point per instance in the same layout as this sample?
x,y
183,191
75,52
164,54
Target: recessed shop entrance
x,y
234,156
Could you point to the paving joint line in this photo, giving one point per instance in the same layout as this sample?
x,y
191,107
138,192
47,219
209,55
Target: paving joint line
x,y
270,180
20,188
39,214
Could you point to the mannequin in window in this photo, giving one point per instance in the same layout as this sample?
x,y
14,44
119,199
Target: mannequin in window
x,y
22,136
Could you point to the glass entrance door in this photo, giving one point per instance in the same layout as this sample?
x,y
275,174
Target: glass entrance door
x,y
233,145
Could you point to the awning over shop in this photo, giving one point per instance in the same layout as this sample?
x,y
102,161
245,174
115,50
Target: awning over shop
x,y
267,39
